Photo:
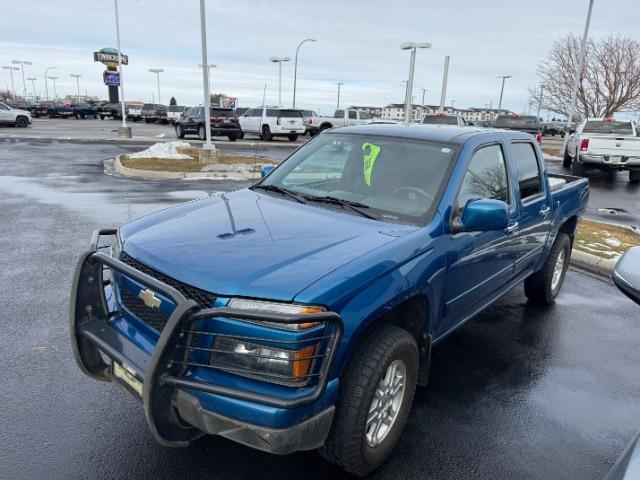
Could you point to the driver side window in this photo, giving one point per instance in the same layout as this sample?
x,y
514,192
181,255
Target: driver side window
x,y
486,177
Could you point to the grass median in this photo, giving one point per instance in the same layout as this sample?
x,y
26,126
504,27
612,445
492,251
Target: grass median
x,y
186,165
605,240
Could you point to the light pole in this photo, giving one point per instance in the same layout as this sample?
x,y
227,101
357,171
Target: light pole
x,y
11,69
279,61
46,87
22,63
339,84
574,93
445,79
424,91
208,146
503,77
124,131
209,67
55,91
33,85
295,69
411,46
540,101
157,71
77,77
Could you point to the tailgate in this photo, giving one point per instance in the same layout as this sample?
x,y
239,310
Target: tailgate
x,y
612,145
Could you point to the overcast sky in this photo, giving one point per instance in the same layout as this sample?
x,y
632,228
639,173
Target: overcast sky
x,y
357,43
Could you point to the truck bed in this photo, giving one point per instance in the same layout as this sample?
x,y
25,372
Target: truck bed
x,y
570,195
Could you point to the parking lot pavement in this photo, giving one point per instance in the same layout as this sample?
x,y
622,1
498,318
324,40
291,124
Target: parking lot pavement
x,y
90,129
519,392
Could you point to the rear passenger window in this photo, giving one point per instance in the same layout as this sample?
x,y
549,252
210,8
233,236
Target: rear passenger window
x,y
529,176
486,177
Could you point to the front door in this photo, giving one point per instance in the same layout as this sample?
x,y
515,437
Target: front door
x,y
535,207
483,261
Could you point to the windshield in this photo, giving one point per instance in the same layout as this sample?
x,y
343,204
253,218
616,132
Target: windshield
x,y
603,126
516,122
396,180
440,120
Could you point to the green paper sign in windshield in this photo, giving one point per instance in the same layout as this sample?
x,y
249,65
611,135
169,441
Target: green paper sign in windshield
x,y
369,160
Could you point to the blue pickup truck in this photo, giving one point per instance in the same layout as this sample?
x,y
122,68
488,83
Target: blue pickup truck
x,y
301,313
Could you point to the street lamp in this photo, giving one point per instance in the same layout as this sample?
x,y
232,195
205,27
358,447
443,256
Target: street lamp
x,y
412,46
22,63
33,85
503,77
55,91
11,69
77,77
339,84
46,87
295,69
279,61
209,67
208,146
124,131
157,71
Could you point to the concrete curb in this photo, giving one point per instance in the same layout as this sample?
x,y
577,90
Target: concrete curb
x,y
151,175
592,263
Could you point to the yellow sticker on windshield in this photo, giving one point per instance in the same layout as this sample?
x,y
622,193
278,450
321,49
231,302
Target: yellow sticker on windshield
x,y
369,160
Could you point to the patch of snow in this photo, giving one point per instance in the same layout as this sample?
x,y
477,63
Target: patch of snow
x,y
163,150
614,242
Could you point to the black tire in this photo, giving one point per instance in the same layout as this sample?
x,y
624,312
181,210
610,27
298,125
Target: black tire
x,y
347,445
539,287
202,134
266,133
324,127
22,121
577,168
634,176
179,131
241,135
293,137
313,133
147,120
232,138
566,159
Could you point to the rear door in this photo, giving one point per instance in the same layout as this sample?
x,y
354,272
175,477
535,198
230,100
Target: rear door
x,y
534,203
485,262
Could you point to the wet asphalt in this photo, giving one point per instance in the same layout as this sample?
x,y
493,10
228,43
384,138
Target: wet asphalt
x,y
519,392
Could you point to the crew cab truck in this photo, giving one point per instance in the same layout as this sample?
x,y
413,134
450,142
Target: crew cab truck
x,y
606,144
300,313
343,118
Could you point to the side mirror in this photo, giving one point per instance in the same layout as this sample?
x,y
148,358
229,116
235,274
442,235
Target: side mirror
x,y
626,274
483,215
266,169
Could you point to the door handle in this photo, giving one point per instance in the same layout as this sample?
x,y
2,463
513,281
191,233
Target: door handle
x,y
545,211
512,228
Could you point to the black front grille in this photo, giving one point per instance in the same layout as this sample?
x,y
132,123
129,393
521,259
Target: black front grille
x,y
151,316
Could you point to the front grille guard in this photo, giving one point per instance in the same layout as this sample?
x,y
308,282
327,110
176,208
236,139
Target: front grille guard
x,y
162,371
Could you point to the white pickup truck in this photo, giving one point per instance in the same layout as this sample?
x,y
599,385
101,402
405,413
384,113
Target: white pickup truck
x,y
342,118
604,143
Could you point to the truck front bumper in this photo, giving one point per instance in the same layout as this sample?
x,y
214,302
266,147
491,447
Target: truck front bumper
x,y
612,161
171,398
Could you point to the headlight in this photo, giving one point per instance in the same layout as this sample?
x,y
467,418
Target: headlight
x,y
264,362
273,307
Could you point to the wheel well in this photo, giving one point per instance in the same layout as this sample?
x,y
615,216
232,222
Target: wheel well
x,y
569,227
325,125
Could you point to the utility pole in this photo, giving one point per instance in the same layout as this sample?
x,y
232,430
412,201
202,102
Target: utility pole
x,y
574,93
339,84
205,78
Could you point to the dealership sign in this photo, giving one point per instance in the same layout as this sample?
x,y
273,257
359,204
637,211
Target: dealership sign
x,y
109,56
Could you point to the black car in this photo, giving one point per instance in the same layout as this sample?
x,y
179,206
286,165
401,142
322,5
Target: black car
x,y
154,112
521,123
224,123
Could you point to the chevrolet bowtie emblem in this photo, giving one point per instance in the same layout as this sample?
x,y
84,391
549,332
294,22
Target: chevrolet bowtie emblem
x,y
149,298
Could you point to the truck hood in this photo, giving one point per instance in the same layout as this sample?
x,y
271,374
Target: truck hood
x,y
251,244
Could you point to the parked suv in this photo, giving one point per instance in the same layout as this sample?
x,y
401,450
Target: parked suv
x,y
224,123
269,122
14,116
154,112
521,123
174,112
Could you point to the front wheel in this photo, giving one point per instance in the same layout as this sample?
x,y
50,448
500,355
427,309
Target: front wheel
x,y
266,133
293,137
232,138
544,285
376,393
22,122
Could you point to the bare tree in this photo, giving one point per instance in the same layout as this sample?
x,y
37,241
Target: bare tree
x,y
610,81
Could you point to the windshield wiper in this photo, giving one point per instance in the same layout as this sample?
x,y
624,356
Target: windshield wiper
x,y
347,204
284,191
